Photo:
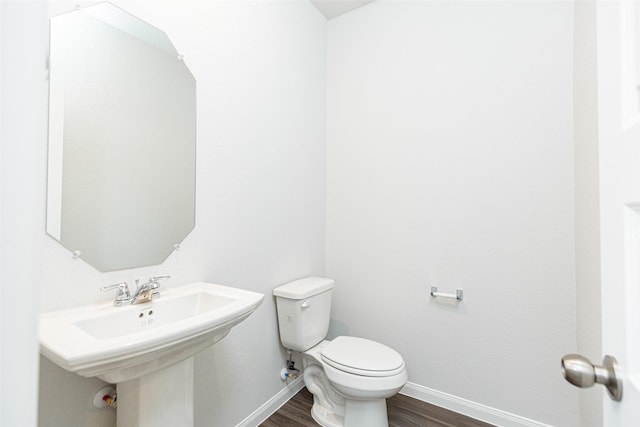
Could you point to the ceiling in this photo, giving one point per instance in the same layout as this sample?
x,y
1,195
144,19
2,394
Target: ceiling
x,y
333,8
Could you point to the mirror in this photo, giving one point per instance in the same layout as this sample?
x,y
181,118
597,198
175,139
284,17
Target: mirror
x,y
122,139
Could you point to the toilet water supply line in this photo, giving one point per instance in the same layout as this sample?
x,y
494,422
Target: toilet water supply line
x,y
290,372
111,400
106,397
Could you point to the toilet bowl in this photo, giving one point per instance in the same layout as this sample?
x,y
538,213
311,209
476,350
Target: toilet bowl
x,y
363,369
350,377
355,371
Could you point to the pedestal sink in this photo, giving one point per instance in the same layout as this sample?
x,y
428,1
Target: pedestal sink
x,y
147,349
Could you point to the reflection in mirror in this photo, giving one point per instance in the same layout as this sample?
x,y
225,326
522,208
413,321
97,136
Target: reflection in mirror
x,y
122,143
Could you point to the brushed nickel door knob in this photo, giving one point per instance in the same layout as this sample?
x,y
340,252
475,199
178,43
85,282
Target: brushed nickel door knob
x,y
579,371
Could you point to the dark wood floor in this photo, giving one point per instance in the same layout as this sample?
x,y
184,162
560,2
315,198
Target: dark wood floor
x,y
403,411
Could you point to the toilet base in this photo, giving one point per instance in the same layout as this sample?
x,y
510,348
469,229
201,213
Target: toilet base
x,y
370,413
324,418
347,402
328,406
358,413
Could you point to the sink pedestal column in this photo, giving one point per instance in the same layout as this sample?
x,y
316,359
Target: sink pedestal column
x,y
160,399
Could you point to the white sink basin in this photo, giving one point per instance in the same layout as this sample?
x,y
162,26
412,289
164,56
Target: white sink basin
x,y
122,343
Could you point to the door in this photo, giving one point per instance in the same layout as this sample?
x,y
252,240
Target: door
x,y
618,50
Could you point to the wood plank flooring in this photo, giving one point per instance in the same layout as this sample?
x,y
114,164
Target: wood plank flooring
x,y
403,411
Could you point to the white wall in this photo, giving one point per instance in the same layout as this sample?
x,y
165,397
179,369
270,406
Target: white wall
x,y
260,71
450,161
23,135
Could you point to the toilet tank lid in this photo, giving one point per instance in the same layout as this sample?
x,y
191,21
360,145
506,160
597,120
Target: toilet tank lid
x,y
304,288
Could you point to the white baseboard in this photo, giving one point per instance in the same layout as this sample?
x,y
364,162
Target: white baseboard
x,y
471,409
272,405
466,407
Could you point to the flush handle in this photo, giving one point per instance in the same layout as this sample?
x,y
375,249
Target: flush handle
x,y
305,304
580,372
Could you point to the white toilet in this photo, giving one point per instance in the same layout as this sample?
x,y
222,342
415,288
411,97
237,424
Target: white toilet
x,y
350,378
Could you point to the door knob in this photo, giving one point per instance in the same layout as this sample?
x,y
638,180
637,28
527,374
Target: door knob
x,y
580,372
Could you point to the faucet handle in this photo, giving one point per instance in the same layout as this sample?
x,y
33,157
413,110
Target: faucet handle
x,y
122,287
153,281
122,293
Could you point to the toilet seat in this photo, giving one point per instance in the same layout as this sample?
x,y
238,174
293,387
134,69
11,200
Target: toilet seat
x,y
362,357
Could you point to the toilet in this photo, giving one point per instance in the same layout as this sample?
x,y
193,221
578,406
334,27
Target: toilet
x,y
350,378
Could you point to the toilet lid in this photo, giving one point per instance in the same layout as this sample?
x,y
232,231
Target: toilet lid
x,y
362,357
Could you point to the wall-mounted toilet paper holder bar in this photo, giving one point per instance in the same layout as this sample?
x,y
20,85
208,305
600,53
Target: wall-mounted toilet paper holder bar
x,y
458,295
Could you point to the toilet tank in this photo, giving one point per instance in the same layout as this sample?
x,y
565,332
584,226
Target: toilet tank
x,y
304,310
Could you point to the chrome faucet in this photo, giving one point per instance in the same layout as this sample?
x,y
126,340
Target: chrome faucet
x,y
147,291
123,296
144,293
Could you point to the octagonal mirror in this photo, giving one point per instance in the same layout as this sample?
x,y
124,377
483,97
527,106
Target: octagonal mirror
x,y
122,139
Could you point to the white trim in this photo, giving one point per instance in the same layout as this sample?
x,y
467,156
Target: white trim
x,y
462,406
466,407
630,62
272,405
